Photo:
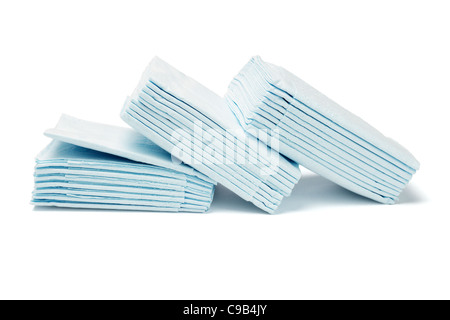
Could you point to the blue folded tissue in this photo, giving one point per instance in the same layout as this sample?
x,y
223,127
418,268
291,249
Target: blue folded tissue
x,y
317,133
92,165
186,139
196,125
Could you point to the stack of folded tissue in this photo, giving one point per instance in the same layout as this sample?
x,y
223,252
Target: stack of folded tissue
x,y
193,123
319,134
90,165
186,139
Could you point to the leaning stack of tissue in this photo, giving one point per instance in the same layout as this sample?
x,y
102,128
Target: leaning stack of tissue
x,y
317,133
194,124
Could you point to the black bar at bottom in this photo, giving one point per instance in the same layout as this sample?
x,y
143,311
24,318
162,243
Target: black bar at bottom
x,y
226,309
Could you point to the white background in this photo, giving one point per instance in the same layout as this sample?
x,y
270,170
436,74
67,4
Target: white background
x,y
386,61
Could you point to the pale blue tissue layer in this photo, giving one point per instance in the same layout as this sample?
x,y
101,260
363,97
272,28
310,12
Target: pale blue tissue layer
x,y
71,176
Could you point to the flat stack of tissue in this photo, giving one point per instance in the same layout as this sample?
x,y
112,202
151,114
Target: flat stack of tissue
x,y
90,165
319,134
194,124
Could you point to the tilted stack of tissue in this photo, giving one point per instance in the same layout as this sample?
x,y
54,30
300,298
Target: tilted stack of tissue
x,y
319,134
91,165
194,124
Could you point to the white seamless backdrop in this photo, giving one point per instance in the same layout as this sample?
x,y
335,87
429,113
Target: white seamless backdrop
x,y
386,61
